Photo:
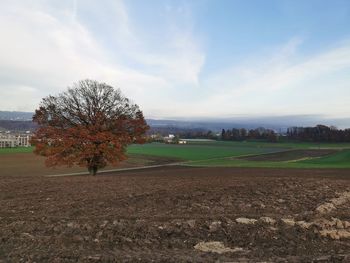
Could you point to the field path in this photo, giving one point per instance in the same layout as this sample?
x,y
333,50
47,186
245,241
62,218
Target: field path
x,y
117,170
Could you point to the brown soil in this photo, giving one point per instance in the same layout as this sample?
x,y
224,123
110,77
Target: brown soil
x,y
289,155
28,164
160,215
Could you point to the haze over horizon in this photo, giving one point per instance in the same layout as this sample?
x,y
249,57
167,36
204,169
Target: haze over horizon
x,y
182,59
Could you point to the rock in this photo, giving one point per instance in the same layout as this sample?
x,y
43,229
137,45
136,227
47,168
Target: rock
x,y
27,235
215,247
333,203
342,199
346,224
288,221
268,220
95,257
343,233
325,208
334,223
73,225
214,226
338,223
323,259
335,234
247,221
303,224
323,223
197,205
229,221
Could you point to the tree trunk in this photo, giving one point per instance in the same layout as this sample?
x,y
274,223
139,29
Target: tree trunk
x,y
93,170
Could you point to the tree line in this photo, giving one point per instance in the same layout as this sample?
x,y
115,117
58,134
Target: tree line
x,y
320,133
157,134
244,134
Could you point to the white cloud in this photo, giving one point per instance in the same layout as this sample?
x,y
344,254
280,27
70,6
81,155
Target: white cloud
x,y
46,46
277,84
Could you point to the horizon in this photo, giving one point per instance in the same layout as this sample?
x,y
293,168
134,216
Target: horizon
x,y
185,59
275,122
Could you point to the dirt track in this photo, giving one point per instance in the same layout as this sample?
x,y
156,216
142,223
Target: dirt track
x,y
161,214
29,164
290,155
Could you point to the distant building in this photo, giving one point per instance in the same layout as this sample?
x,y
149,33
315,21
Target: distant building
x,y
10,141
171,138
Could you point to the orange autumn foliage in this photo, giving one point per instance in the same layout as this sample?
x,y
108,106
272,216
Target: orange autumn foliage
x,y
89,125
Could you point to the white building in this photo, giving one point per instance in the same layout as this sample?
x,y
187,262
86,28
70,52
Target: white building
x,y
11,141
173,139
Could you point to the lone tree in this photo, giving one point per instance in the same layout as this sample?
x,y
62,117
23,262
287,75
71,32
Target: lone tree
x,y
89,125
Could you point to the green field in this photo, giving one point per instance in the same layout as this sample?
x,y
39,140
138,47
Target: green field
x,y
337,160
16,150
220,153
202,150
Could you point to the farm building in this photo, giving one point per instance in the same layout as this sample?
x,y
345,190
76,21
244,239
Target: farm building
x,y
11,141
169,139
174,139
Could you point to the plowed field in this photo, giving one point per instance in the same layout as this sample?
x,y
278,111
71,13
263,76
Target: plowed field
x,y
172,214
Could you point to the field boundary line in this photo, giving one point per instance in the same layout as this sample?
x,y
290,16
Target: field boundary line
x,y
188,163
183,163
115,170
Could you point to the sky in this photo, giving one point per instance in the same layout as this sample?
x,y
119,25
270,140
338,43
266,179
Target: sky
x,y
182,59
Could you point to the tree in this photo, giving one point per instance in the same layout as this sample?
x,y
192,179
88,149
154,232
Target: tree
x,y
90,125
243,133
176,139
223,134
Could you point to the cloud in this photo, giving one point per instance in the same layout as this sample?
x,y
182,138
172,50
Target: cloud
x,y
156,59
46,46
283,82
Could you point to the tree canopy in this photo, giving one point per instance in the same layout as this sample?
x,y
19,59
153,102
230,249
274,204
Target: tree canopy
x,y
91,124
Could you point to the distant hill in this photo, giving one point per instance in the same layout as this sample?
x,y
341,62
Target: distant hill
x,y
278,123
16,121
213,125
8,125
16,115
